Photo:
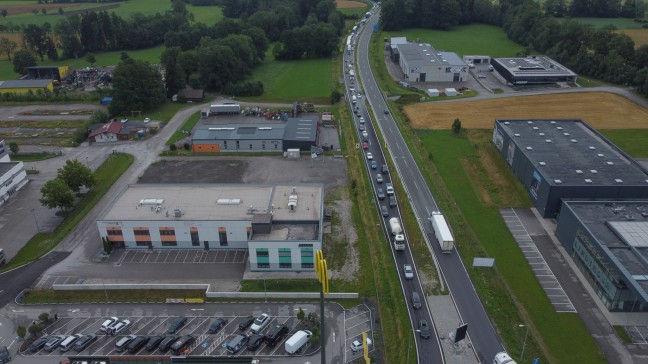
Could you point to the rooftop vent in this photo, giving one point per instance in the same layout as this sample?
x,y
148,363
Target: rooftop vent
x,y
594,171
618,180
548,140
587,180
609,163
553,122
578,171
177,213
228,201
592,148
529,148
151,201
557,181
506,123
265,128
529,122
542,163
629,217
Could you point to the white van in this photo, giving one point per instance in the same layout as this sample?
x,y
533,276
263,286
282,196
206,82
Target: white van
x,y
67,344
503,358
297,341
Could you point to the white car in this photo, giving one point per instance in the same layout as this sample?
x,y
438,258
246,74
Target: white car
x,y
124,120
356,345
121,326
110,322
260,322
146,120
409,272
369,156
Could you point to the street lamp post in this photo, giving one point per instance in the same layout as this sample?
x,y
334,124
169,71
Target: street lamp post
x,y
526,335
35,221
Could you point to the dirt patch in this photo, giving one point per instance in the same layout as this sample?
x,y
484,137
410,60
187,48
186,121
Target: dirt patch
x,y
638,36
344,237
195,171
600,109
346,4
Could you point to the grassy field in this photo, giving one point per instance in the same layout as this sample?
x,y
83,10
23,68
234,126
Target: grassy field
x,y
619,23
287,81
601,110
186,127
351,7
465,39
632,141
44,296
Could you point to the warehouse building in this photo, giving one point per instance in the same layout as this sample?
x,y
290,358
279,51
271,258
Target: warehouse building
x,y
422,63
12,175
279,226
47,73
532,70
267,137
608,241
567,159
26,86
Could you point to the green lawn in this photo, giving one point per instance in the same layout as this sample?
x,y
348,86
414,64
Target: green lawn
x,y
186,126
288,81
209,15
619,23
360,12
631,141
466,39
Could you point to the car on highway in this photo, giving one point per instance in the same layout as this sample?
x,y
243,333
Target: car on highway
x,y
408,271
255,341
234,345
369,156
260,322
38,344
84,342
424,329
5,356
374,165
361,120
416,300
109,323
390,188
154,342
54,342
356,345
386,112
361,127
216,325
380,193
245,323
165,344
176,325
482,76
384,169
384,211
365,135
365,145
392,201
379,178
122,344
137,343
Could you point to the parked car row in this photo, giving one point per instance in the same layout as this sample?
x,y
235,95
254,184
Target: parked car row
x,y
77,342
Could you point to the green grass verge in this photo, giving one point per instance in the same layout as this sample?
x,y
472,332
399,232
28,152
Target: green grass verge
x,y
32,157
622,334
42,243
187,126
359,12
631,141
463,40
619,23
584,81
44,296
307,80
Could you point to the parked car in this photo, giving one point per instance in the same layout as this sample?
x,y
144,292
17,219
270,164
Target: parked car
x,y
384,211
356,345
217,324
255,341
154,342
408,271
54,342
166,343
424,329
234,345
275,334
137,343
176,324
182,343
84,342
260,322
146,120
121,326
5,356
38,344
245,323
122,344
109,323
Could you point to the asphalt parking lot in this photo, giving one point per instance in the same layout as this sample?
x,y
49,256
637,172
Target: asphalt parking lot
x,y
179,256
357,320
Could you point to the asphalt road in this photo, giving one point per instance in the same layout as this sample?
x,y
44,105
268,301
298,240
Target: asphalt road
x,y
482,334
428,350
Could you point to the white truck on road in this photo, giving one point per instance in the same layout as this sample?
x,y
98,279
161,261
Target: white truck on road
x,y
503,358
397,231
442,232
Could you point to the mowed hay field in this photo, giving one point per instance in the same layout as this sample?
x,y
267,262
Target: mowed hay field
x,y
601,110
638,36
347,4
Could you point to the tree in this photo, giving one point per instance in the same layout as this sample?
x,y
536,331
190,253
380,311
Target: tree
x,y
44,317
13,147
23,59
7,46
456,126
174,77
99,116
136,86
60,11
4,12
55,193
301,315
44,11
90,58
21,331
75,174
36,39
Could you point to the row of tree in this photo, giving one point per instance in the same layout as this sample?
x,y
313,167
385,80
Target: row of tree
x,y
60,191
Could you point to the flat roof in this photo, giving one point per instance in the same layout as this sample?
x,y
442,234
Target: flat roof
x,y
534,66
214,202
570,152
617,225
423,54
24,83
240,132
7,166
301,130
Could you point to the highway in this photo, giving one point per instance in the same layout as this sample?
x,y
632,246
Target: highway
x,y
428,350
481,332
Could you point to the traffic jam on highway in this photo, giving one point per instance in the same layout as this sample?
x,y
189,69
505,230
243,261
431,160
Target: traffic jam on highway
x,y
263,335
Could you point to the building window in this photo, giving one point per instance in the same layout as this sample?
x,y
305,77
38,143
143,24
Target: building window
x,y
167,231
305,245
307,265
285,265
169,243
285,260
222,236
276,146
263,258
141,231
143,243
195,239
307,259
250,146
263,265
237,144
263,146
114,232
249,233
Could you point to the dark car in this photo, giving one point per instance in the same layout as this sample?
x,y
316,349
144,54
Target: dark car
x,y
39,344
153,343
245,323
182,343
84,342
54,342
386,111
137,344
5,356
275,334
217,324
177,324
234,345
424,329
165,344
384,210
255,341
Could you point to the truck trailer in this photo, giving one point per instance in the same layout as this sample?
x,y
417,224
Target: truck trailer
x,y
442,232
397,231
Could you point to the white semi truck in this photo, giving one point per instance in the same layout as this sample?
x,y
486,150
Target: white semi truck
x,y
397,231
442,232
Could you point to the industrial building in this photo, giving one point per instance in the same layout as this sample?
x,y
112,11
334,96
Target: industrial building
x,y
532,70
422,63
567,159
280,226
12,175
476,59
608,241
26,86
267,137
47,72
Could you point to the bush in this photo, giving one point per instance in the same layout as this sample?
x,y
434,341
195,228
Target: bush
x,y
21,331
186,146
335,96
44,317
173,147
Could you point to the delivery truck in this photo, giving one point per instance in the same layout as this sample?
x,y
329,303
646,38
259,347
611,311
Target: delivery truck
x,y
442,232
297,341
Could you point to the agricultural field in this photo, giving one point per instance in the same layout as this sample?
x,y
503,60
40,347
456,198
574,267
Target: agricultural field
x,y
638,36
600,109
351,7
466,39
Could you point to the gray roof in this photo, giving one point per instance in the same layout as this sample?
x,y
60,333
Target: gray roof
x,y
612,223
570,152
534,66
240,132
7,166
301,130
24,83
420,54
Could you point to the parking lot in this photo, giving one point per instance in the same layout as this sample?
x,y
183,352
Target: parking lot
x,y
197,326
357,320
180,256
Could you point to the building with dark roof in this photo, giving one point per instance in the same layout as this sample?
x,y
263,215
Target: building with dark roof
x,y
191,95
108,132
532,70
25,86
567,159
422,63
300,134
608,241
12,175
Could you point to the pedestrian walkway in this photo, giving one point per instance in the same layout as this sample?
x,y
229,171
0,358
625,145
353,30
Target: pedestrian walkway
x,y
546,277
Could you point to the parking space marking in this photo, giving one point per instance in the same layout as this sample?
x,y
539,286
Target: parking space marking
x,y
554,291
